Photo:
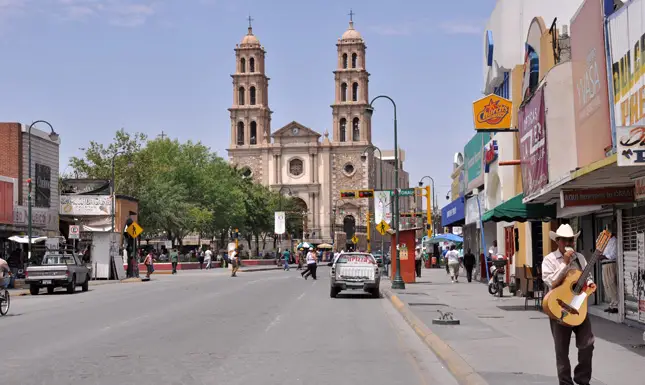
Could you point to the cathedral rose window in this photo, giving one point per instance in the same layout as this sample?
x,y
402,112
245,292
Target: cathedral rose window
x,y
296,167
349,169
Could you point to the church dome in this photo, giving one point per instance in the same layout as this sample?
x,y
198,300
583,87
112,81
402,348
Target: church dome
x,y
351,33
250,39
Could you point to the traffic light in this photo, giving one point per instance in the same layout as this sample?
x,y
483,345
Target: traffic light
x,y
405,215
347,194
418,215
365,193
428,226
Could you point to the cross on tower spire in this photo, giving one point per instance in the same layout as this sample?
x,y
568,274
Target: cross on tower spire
x,y
250,19
351,17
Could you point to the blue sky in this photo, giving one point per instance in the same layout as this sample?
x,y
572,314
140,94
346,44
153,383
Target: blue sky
x,y
91,67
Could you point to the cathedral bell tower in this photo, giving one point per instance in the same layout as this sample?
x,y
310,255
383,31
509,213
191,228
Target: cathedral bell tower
x,y
250,113
352,126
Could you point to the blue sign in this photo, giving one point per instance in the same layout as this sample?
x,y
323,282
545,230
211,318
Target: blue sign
x,y
489,48
453,212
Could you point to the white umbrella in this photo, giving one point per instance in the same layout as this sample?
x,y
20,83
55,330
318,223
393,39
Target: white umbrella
x,y
25,239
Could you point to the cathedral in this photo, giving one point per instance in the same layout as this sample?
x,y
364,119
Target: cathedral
x,y
313,168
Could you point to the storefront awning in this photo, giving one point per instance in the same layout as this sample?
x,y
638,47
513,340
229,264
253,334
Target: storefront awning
x,y
513,210
453,213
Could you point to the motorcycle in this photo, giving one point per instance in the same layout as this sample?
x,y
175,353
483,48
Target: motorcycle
x,y
497,280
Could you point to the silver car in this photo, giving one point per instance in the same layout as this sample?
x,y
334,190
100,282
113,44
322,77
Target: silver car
x,y
355,271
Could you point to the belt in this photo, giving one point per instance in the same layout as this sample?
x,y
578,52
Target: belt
x,y
607,262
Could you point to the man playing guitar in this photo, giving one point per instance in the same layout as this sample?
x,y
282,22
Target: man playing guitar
x,y
554,269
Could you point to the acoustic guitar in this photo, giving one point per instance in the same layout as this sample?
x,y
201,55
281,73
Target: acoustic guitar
x,y
567,303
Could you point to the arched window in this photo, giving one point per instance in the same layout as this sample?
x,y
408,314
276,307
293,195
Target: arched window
x,y
240,96
354,60
355,92
252,65
344,60
242,65
343,129
343,92
240,133
252,96
254,133
356,132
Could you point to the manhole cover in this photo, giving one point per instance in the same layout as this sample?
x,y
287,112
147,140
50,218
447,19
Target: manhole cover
x,y
490,316
426,304
414,294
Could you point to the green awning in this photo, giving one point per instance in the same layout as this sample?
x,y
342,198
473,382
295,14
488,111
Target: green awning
x,y
513,210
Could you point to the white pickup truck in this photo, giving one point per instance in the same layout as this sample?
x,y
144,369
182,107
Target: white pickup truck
x,y
58,269
355,271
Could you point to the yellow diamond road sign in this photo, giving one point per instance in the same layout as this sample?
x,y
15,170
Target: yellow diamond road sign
x,y
382,227
355,239
134,230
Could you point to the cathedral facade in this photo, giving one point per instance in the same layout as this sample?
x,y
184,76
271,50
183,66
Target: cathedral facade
x,y
298,161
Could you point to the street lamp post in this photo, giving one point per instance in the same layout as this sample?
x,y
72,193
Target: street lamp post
x,y
113,188
434,199
380,157
53,136
397,283
280,209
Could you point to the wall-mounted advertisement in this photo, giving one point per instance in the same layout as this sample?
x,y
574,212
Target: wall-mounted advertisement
x,y
43,185
473,160
533,151
626,31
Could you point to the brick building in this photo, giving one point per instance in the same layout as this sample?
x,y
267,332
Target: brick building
x,y
14,174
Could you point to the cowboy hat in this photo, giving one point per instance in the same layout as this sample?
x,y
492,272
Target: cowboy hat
x,y
564,231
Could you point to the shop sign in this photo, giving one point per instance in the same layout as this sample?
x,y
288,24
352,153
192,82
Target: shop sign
x,y
630,145
597,196
590,90
43,185
40,217
91,205
639,189
491,152
473,160
85,187
492,113
533,150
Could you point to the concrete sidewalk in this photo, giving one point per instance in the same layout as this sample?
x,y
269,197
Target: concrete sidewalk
x,y
502,342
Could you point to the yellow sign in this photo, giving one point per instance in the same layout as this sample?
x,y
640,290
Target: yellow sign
x,y
355,239
492,113
403,252
134,230
382,227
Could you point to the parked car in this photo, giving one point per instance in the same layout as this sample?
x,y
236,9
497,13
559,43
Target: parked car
x,y
354,271
58,269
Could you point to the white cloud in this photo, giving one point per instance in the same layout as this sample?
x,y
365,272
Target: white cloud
x,y
125,13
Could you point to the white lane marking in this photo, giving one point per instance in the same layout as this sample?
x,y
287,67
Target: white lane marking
x,y
273,323
300,296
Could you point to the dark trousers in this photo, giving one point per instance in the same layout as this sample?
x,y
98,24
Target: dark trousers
x,y
469,272
174,267
311,270
584,343
417,266
201,263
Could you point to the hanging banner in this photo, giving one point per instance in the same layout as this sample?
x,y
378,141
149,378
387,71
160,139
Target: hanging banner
x,y
639,189
626,29
280,222
382,206
533,151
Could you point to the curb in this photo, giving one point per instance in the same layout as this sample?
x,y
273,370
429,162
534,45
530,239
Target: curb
x,y
460,369
261,269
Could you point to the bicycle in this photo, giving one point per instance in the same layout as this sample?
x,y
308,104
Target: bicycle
x,y
5,298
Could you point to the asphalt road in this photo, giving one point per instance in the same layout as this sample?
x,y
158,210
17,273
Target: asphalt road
x,y
207,328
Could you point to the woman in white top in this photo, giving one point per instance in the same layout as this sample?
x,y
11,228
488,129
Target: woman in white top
x,y
311,264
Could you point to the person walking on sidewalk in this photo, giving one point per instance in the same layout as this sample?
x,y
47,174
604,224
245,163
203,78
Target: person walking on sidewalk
x,y
149,262
286,256
609,274
234,259
469,264
174,260
555,267
311,265
453,263
200,258
418,260
208,257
